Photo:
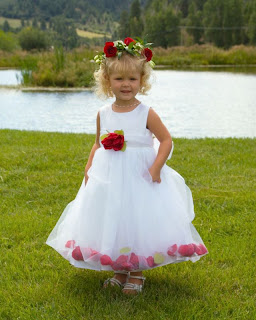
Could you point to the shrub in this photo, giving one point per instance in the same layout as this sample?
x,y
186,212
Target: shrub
x,y
32,38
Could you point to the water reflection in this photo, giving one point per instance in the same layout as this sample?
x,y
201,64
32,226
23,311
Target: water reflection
x,y
191,104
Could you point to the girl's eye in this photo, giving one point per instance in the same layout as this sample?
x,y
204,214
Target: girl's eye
x,y
133,79
118,78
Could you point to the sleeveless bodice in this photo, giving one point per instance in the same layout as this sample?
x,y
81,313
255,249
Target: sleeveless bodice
x,y
133,123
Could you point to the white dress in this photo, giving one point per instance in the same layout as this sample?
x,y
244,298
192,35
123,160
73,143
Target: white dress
x,y
121,220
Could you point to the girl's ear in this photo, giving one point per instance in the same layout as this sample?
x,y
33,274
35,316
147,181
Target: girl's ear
x,y
106,77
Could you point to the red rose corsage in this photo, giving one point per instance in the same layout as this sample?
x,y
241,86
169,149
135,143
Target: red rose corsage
x,y
114,140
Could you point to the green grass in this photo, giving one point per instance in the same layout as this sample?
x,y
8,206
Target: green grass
x,y
205,55
41,172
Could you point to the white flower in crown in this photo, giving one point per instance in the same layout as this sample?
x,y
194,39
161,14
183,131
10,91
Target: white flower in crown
x,y
119,42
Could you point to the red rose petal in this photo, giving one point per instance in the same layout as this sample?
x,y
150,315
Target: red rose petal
x,y
105,260
150,261
202,248
186,249
93,252
70,244
134,258
171,250
77,254
127,266
116,266
122,259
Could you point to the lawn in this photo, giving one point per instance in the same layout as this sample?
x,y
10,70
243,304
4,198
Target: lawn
x,y
41,172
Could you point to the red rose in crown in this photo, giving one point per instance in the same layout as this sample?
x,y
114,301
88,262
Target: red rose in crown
x,y
110,50
128,40
147,53
114,140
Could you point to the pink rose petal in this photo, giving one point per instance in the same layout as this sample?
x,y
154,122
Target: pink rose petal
x,y
171,250
70,244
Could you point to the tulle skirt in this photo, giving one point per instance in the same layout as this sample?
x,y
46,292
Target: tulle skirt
x,y
121,220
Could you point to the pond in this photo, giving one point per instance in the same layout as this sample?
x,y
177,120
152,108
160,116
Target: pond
x,y
192,104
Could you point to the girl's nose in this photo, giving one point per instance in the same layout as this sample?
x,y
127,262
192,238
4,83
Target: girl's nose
x,y
126,82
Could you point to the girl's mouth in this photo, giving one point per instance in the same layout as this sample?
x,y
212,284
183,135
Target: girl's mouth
x,y
125,91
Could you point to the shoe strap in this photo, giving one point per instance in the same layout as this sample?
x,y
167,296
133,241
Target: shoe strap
x,y
114,280
137,277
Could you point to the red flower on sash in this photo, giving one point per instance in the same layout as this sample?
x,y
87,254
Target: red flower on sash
x,y
114,140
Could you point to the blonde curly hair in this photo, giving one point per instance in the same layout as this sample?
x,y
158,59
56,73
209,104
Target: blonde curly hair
x,y
127,63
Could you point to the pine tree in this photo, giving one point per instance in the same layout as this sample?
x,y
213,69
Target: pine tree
x,y
213,19
34,23
194,19
156,29
43,25
136,23
6,26
171,21
252,26
124,26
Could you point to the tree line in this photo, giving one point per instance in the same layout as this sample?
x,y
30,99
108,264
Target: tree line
x,y
170,23
164,22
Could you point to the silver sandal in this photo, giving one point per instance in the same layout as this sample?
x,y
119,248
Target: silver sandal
x,y
115,281
134,286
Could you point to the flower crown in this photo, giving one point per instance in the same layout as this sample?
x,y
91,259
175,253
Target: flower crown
x,y
134,47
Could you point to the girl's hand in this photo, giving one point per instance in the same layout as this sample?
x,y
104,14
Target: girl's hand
x,y
155,174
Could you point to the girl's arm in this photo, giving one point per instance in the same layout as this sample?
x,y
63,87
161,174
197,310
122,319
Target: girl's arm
x,y
94,148
156,126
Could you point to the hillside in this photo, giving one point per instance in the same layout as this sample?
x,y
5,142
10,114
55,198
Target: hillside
x,y
74,9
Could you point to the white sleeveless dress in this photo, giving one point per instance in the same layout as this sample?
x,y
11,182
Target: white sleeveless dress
x,y
121,220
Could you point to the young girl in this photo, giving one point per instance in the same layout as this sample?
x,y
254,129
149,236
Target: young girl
x,y
132,211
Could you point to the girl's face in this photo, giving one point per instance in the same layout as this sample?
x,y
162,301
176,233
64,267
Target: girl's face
x,y
125,86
